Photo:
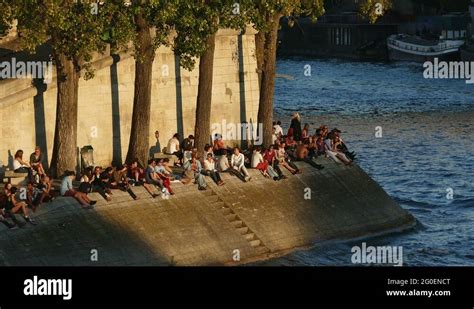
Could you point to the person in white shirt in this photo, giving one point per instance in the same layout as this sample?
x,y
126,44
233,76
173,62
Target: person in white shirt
x,y
330,145
274,136
211,171
281,157
173,147
19,163
237,163
262,165
278,128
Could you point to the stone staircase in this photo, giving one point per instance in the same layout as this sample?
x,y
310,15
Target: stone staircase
x,y
237,223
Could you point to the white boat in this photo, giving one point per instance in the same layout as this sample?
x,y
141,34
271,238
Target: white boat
x,y
403,47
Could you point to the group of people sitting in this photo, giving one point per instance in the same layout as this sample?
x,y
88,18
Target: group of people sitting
x,y
190,165
305,146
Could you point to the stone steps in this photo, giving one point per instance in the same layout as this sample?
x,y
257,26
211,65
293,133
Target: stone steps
x,y
237,223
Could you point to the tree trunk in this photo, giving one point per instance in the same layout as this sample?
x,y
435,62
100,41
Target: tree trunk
x,y
138,146
202,128
267,87
260,54
65,135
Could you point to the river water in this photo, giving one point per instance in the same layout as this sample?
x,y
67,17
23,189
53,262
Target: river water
x,y
424,153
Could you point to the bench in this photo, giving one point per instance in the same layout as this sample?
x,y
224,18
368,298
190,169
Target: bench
x,y
15,178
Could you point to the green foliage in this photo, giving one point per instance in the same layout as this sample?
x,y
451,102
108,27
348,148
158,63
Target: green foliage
x,y
374,9
6,17
265,11
72,28
197,20
157,15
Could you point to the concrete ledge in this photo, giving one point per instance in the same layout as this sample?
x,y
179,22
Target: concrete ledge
x,y
262,219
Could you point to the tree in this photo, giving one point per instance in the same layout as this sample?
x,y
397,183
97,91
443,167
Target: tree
x,y
6,17
373,9
152,27
266,18
74,32
196,26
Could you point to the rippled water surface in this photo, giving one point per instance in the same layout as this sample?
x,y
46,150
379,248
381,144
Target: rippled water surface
x,y
426,148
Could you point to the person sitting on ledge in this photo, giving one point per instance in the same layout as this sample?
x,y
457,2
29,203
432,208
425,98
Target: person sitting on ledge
x,y
278,128
19,165
207,150
36,159
174,149
270,156
193,169
342,146
14,206
312,146
5,209
210,169
262,165
3,217
237,163
120,180
324,130
32,193
45,188
162,173
97,184
218,146
152,178
68,190
275,136
302,154
169,171
187,146
305,133
320,145
136,174
331,150
282,159
289,142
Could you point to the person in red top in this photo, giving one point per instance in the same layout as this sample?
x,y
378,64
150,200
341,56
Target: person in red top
x,y
137,174
218,146
271,157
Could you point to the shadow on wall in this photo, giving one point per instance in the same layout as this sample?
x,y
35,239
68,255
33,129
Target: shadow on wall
x,y
117,142
243,111
179,96
40,122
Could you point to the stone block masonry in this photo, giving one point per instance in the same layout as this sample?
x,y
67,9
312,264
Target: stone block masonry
x,y
261,219
105,102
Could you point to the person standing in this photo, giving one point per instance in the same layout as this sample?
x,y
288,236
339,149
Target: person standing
x,y
295,127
